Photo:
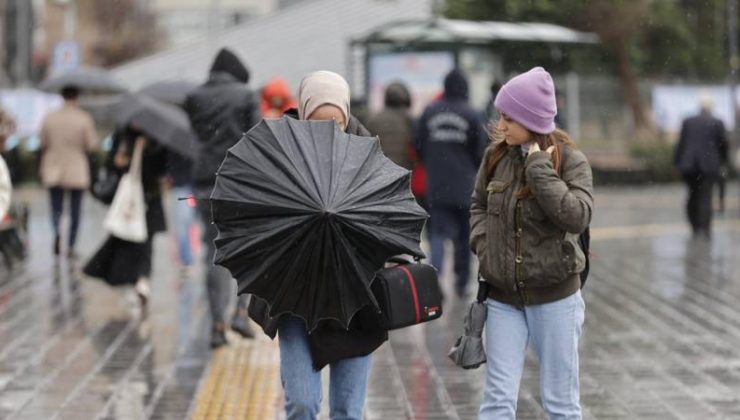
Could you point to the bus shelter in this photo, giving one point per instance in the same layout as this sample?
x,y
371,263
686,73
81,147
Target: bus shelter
x,y
421,52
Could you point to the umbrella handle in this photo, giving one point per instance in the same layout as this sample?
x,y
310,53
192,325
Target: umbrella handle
x,y
192,197
482,289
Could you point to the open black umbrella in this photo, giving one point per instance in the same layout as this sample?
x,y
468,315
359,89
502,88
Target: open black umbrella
x,y
88,79
166,124
170,91
307,214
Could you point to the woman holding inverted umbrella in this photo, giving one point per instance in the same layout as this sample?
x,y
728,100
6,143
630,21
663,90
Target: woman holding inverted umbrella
x,y
307,211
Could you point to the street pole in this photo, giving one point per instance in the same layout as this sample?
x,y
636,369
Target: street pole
x,y
70,19
22,59
734,66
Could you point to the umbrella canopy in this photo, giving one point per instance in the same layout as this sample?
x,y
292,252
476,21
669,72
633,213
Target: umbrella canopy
x,y
307,214
171,91
166,124
88,79
468,351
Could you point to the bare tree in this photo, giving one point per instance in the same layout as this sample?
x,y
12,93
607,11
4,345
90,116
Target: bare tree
x,y
126,29
617,24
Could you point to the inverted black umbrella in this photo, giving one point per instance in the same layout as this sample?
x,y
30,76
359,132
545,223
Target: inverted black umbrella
x,y
166,124
307,214
89,79
170,91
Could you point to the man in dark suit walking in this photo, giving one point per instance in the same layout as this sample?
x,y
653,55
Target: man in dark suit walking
x,y
700,156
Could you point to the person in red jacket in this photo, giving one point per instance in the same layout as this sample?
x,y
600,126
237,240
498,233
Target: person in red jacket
x,y
276,98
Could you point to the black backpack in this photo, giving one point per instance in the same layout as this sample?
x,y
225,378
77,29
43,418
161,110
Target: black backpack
x,y
584,239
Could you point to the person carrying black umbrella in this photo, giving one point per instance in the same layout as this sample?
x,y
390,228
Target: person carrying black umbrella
x,y
220,111
324,95
153,169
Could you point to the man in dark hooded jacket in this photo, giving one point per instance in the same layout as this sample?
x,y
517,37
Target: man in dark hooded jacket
x,y
451,141
220,111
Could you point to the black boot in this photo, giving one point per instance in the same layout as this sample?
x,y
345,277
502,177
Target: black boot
x,y
218,336
240,324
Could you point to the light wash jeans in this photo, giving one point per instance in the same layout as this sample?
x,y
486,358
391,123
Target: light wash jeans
x,y
184,218
302,384
554,330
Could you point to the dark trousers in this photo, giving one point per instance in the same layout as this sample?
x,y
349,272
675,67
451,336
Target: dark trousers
x,y
57,209
451,223
699,204
220,286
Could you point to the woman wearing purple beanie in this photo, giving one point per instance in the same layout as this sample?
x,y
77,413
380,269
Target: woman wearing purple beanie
x,y
532,200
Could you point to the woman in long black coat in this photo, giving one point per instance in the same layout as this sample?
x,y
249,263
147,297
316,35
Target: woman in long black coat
x,y
121,262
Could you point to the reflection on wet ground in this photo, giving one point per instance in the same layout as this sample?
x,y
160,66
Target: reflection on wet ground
x,y
661,340
71,347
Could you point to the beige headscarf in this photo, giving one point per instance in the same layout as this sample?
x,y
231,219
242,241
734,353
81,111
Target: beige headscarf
x,y
321,88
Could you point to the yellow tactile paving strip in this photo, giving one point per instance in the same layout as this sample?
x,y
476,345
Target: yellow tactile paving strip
x,y
242,382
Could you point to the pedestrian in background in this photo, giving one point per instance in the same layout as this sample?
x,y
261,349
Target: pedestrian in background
x,y
179,179
153,170
7,127
68,136
6,189
276,98
220,111
394,125
324,95
533,197
700,155
451,140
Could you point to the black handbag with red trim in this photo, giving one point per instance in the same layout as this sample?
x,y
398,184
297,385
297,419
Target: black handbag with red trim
x,y
407,294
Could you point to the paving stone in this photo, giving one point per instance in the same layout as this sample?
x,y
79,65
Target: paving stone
x,y
661,338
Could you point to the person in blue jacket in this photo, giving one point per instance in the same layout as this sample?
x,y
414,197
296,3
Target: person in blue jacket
x,y
451,140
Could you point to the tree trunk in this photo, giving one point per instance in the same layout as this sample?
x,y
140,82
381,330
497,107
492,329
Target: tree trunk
x,y
629,86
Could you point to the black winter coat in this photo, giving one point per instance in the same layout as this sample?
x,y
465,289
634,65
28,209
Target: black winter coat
x,y
153,169
330,342
220,111
702,147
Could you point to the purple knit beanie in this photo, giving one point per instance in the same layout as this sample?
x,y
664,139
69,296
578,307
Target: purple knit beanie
x,y
529,99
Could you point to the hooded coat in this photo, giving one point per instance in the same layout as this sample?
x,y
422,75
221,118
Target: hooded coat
x,y
220,111
394,125
451,141
276,98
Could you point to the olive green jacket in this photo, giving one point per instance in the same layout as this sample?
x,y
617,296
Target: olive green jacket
x,y
528,248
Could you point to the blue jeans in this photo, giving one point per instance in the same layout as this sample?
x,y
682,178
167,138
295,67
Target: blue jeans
x,y
554,330
184,218
302,383
451,223
57,208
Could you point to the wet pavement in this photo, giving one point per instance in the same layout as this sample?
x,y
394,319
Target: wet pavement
x,y
661,340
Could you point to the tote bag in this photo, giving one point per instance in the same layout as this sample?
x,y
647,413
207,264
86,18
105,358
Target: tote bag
x,y
126,218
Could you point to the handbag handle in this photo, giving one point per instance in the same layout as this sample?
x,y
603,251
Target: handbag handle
x,y
135,168
401,260
482,294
